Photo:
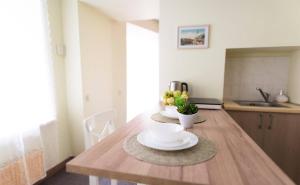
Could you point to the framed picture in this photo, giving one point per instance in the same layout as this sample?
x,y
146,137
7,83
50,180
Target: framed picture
x,y
193,36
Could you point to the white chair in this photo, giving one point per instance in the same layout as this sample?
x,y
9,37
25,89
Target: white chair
x,y
97,127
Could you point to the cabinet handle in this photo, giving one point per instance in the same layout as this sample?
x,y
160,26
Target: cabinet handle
x,y
271,121
260,121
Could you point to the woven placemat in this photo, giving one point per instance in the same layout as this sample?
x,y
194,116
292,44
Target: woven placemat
x,y
160,118
203,151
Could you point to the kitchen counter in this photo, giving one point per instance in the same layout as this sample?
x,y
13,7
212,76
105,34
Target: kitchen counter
x,y
290,108
239,160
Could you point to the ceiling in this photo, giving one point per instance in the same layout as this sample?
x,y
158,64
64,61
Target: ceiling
x,y
127,10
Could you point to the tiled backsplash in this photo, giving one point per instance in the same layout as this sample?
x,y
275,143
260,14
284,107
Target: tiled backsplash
x,y
244,74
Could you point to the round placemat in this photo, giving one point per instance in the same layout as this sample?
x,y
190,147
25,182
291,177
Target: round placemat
x,y
201,152
160,118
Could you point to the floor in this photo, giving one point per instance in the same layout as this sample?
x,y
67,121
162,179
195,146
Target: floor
x,y
65,178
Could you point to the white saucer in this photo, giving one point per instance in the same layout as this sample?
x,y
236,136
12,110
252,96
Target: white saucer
x,y
189,140
168,115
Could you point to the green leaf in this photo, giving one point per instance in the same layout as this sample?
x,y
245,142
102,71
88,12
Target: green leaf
x,y
179,101
184,107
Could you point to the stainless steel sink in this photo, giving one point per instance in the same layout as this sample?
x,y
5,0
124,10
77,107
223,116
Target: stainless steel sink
x,y
259,104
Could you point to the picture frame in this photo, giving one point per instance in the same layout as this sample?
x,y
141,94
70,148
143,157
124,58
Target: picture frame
x,y
191,37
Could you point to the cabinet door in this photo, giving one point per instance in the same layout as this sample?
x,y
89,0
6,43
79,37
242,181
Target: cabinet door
x,y
282,142
252,123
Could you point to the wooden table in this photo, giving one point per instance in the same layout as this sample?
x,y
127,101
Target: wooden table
x,y
238,160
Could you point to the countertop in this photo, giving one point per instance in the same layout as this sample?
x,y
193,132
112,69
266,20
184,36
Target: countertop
x,y
239,160
290,108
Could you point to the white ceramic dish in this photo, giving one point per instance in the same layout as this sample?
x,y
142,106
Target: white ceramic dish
x,y
183,140
166,132
189,140
171,111
168,115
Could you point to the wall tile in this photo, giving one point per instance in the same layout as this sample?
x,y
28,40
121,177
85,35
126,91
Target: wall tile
x,y
244,74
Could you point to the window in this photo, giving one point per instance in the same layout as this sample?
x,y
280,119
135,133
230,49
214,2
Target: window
x,y
26,91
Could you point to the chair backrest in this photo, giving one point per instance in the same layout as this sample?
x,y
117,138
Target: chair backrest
x,y
98,126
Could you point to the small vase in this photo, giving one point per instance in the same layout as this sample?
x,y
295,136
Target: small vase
x,y
187,121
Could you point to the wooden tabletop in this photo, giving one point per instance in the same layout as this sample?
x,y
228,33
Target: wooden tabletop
x,y
238,160
289,108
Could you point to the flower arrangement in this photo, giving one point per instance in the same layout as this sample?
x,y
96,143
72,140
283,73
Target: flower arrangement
x,y
170,97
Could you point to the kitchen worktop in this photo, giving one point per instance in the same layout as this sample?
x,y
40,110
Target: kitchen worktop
x,y
290,108
239,160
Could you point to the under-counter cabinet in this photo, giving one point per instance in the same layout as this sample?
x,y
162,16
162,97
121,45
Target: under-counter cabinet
x,y
278,134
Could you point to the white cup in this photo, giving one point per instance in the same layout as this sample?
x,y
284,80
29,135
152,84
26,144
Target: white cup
x,y
166,132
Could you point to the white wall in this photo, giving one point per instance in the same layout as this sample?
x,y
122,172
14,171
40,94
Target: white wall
x,y
73,74
96,59
64,137
294,78
102,45
56,135
119,70
233,24
91,77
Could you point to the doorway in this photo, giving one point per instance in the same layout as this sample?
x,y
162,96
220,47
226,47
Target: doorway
x,y
142,69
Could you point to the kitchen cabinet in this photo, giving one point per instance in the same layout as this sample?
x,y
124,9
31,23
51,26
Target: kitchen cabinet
x,y
278,134
282,142
251,122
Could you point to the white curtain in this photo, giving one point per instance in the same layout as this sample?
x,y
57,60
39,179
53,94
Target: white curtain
x,y
26,89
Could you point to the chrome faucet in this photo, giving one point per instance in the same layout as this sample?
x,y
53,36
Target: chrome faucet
x,y
265,95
